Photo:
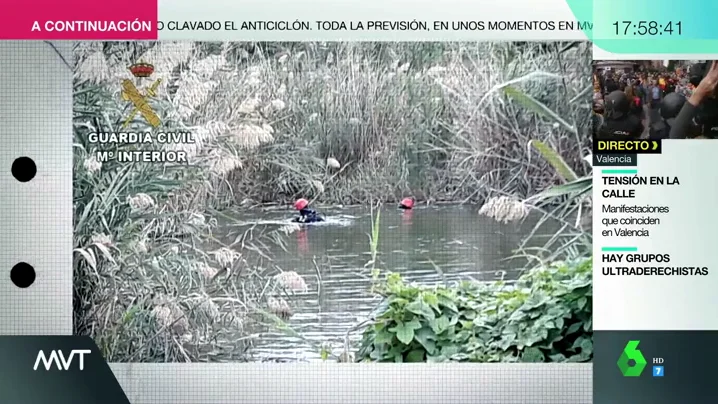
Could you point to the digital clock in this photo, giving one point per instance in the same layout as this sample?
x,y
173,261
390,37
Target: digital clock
x,y
648,28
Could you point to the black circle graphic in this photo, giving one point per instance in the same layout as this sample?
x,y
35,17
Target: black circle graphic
x,y
24,169
22,275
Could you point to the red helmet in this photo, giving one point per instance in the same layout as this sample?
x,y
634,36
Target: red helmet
x,y
301,204
407,203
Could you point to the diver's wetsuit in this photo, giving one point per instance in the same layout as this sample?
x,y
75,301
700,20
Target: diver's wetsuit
x,y
307,215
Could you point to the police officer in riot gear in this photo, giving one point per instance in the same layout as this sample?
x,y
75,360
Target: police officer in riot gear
x,y
702,107
597,118
670,108
619,123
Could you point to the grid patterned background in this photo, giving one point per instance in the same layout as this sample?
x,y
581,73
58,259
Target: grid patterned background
x,y
36,111
36,116
357,383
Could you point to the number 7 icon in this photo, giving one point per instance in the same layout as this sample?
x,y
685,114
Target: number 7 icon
x,y
658,371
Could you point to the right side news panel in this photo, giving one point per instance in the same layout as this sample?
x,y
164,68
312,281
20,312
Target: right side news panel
x,y
654,122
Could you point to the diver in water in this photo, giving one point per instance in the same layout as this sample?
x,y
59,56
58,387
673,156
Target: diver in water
x,y
306,215
406,204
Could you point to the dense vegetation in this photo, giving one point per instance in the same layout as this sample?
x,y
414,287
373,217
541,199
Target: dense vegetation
x,y
545,316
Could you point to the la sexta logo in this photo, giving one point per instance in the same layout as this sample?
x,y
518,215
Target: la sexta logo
x,y
632,362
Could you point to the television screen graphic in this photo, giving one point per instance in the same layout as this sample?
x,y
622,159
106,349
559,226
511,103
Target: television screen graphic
x,y
227,204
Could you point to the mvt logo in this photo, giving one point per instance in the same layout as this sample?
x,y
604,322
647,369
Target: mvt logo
x,y
632,363
58,359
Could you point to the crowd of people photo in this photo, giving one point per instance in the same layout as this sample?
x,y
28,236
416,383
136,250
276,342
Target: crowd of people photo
x,y
655,100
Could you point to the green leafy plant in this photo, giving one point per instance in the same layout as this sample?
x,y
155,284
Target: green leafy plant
x,y
568,203
545,316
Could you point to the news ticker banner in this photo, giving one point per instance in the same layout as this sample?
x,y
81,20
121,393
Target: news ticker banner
x,y
273,20
619,27
394,20
79,20
616,26
655,271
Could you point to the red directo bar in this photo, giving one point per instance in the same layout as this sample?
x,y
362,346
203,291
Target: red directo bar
x,y
79,20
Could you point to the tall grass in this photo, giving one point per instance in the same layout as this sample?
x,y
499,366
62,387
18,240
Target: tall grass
x,y
568,204
150,284
419,119
374,237
438,121
434,120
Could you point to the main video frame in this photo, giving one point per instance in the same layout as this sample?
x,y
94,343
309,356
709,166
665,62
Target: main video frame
x,y
353,202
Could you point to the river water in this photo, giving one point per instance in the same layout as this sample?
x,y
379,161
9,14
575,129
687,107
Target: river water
x,y
425,245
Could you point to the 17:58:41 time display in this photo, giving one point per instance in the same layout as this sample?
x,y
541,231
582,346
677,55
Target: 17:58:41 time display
x,y
647,28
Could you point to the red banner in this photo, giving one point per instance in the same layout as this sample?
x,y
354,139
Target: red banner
x,y
79,20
